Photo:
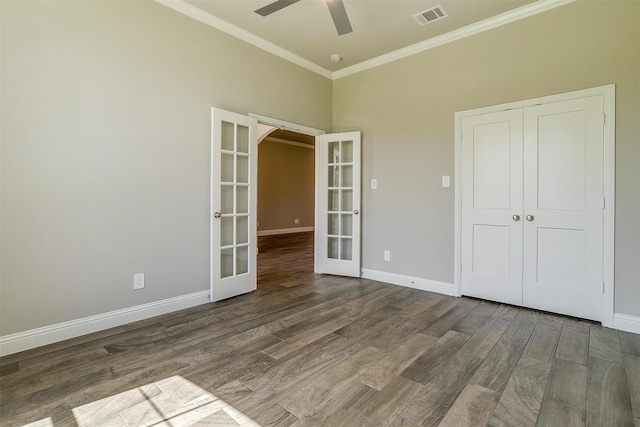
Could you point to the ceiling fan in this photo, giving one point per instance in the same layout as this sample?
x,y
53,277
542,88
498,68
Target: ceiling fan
x,y
336,8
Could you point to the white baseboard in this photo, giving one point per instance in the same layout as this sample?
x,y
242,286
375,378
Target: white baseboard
x,y
410,282
626,323
285,231
33,338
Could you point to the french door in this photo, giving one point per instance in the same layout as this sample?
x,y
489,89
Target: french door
x,y
532,206
337,230
233,204
233,228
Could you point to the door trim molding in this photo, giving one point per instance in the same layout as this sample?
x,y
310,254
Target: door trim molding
x,y
608,93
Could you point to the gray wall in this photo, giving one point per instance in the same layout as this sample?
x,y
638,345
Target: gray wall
x,y
106,150
104,155
406,113
286,186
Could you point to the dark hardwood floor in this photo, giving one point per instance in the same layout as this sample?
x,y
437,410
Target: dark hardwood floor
x,y
309,349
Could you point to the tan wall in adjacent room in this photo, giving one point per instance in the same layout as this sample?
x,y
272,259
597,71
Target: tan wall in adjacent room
x,y
286,186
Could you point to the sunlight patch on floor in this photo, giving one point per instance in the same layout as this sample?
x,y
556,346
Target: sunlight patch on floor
x,y
173,401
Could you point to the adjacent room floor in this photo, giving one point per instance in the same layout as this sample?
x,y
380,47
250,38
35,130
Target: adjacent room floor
x,y
309,349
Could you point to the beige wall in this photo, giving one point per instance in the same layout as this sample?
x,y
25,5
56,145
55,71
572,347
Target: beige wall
x,y
106,150
286,186
406,113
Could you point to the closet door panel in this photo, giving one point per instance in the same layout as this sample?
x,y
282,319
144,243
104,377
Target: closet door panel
x,y
563,194
491,196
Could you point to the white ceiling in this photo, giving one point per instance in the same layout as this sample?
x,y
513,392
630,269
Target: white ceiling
x,y
304,31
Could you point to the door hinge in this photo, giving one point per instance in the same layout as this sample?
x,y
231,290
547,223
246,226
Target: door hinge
x,y
603,287
604,119
604,203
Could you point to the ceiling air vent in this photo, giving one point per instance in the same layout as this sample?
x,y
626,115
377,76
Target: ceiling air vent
x,y
430,15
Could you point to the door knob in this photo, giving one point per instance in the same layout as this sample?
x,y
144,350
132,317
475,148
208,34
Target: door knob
x,y
516,217
217,214
529,217
355,212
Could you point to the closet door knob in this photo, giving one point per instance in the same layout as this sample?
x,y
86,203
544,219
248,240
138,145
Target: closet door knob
x,y
516,217
529,218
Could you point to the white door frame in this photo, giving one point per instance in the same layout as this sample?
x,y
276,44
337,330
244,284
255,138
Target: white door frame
x,y
608,93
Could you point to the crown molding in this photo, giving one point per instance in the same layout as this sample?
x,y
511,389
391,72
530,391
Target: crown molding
x,y
469,30
244,35
526,11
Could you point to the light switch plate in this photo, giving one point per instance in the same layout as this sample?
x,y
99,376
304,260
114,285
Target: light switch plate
x,y
446,181
374,184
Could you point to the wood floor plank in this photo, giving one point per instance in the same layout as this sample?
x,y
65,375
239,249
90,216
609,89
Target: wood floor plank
x,y
405,297
604,343
448,320
232,391
298,367
632,371
9,368
284,348
433,401
543,342
421,305
273,416
397,333
481,343
214,375
364,323
506,312
520,402
565,397
523,324
470,324
630,342
386,405
308,396
608,402
573,345
433,312
382,373
435,357
473,407
344,408
497,367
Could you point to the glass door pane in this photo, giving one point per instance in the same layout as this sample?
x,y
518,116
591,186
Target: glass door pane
x,y
233,203
340,200
338,227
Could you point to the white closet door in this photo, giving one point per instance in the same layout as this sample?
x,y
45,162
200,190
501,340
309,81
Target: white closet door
x,y
492,206
563,207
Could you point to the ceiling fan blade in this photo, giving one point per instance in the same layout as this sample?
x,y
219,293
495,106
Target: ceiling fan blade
x,y
339,15
275,6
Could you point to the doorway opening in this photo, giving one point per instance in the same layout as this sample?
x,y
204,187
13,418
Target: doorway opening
x,y
286,208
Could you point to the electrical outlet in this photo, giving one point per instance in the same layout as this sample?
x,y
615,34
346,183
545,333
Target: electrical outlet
x,y
387,255
296,221
138,281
